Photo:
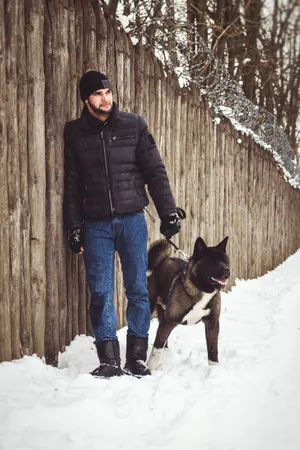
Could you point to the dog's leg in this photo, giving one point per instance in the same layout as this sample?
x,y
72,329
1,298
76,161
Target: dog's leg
x,y
163,332
152,291
212,337
160,309
160,344
153,303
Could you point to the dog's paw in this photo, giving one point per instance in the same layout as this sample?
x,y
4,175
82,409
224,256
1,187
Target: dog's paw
x,y
160,358
213,363
155,360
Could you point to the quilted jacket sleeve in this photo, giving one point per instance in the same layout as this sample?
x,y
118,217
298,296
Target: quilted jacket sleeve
x,y
74,187
154,172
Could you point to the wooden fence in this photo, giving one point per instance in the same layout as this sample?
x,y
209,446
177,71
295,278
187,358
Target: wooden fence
x,y
227,187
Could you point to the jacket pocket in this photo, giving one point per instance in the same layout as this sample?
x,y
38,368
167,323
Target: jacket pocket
x,y
116,138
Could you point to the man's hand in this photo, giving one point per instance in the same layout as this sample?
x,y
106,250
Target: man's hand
x,y
170,225
75,240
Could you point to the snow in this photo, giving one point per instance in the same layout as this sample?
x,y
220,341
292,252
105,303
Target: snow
x,y
251,401
246,61
124,20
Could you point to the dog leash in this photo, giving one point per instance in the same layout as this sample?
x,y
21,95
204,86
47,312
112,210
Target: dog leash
x,y
182,215
178,249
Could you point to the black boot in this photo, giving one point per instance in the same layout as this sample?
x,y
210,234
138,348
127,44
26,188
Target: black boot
x,y
109,357
136,355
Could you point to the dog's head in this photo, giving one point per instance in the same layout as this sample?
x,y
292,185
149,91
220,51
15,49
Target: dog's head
x,y
210,265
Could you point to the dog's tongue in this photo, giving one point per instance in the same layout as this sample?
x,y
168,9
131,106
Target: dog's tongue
x,y
220,281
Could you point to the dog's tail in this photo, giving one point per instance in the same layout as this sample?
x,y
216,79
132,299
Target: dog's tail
x,y
157,252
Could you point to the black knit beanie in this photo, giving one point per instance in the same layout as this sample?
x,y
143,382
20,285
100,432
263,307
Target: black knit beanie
x,y
91,82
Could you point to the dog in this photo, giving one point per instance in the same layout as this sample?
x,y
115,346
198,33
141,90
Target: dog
x,y
186,292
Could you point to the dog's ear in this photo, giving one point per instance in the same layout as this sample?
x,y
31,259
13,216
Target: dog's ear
x,y
199,248
222,245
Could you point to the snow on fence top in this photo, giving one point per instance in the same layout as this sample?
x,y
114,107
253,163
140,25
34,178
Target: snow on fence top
x,y
228,99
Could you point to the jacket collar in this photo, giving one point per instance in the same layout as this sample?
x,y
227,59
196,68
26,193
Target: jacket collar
x,y
92,123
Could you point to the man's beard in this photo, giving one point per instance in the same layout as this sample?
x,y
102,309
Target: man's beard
x,y
99,110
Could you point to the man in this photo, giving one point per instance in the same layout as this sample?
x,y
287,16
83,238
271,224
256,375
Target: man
x,y
109,157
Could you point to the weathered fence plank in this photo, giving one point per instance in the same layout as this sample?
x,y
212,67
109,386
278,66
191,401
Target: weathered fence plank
x,y
90,60
181,170
120,66
64,78
52,298
139,77
101,36
5,325
79,52
34,16
201,226
13,174
25,307
110,56
127,75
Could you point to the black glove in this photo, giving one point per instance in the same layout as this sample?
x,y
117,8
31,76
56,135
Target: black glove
x,y
170,223
75,239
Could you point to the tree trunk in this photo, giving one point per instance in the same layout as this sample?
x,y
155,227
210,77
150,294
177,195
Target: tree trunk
x,y
252,25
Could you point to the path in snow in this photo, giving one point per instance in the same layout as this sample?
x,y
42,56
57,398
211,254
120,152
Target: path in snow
x,y
251,401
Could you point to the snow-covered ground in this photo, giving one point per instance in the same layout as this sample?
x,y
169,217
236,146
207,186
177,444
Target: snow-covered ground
x,y
251,401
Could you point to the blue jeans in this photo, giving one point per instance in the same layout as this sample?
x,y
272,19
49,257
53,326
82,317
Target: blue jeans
x,y
128,236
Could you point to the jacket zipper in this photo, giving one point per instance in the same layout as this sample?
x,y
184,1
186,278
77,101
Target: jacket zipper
x,y
134,180
107,176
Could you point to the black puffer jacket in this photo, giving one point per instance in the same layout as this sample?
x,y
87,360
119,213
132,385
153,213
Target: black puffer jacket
x,y
107,167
